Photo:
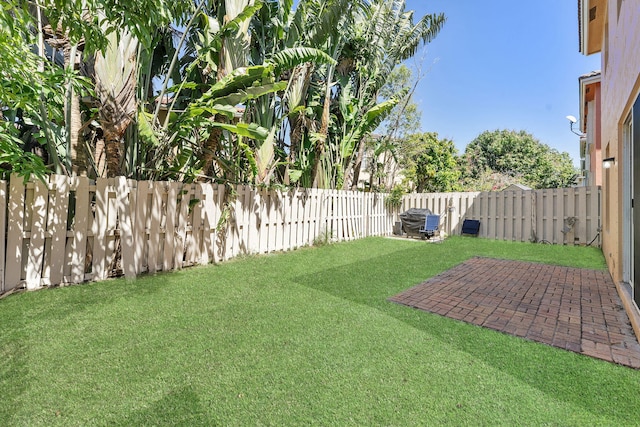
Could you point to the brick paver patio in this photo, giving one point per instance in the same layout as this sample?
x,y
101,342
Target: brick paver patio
x,y
571,308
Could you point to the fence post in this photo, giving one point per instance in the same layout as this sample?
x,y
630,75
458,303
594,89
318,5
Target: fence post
x,y
80,229
3,224
13,265
534,219
58,223
126,232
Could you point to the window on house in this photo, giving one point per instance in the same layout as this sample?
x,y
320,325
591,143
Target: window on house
x,y
592,13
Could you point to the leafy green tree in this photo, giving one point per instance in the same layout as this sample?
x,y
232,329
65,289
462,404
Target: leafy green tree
x,y
404,118
32,37
385,37
430,163
241,91
515,154
30,99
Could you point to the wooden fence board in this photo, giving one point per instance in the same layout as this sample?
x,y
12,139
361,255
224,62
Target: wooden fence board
x,y
140,225
199,225
112,225
286,221
239,212
581,226
294,219
155,212
307,207
220,194
558,216
196,224
209,222
13,265
262,220
338,214
518,220
246,208
58,227
549,215
126,229
280,220
3,225
181,244
80,229
323,215
272,220
100,237
254,222
356,215
349,215
231,232
593,215
500,215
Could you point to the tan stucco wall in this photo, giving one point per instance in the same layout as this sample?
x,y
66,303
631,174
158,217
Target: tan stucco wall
x,y
594,137
620,87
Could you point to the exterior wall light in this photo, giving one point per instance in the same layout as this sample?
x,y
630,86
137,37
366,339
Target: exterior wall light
x,y
608,162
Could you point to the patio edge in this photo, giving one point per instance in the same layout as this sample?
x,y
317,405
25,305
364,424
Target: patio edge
x,y
630,307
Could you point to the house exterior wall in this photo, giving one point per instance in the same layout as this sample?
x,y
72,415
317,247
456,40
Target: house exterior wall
x,y
595,144
620,87
391,175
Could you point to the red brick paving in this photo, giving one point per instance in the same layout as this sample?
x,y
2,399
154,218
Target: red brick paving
x,y
570,308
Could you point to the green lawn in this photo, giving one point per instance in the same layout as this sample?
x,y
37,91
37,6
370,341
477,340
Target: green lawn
x,y
302,338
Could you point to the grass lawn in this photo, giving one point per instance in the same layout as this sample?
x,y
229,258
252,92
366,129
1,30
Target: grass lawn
x,y
301,338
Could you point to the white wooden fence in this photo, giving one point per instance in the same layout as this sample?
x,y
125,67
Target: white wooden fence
x,y
558,216
69,230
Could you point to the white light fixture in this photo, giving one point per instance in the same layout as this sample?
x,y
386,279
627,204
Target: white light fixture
x,y
608,162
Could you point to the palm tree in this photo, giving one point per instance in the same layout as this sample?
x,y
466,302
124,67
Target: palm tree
x,y
388,36
115,74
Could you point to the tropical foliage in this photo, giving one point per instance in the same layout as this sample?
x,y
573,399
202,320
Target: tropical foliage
x,y
234,91
430,163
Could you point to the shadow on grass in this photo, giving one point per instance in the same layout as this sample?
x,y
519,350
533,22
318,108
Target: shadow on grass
x,y
564,375
179,407
14,370
59,303
24,316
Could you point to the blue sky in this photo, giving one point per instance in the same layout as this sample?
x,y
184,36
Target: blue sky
x,y
503,64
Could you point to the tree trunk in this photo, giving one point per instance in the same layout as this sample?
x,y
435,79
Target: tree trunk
x,y
374,170
76,154
324,128
100,156
295,137
210,147
357,166
301,77
79,156
113,152
321,144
